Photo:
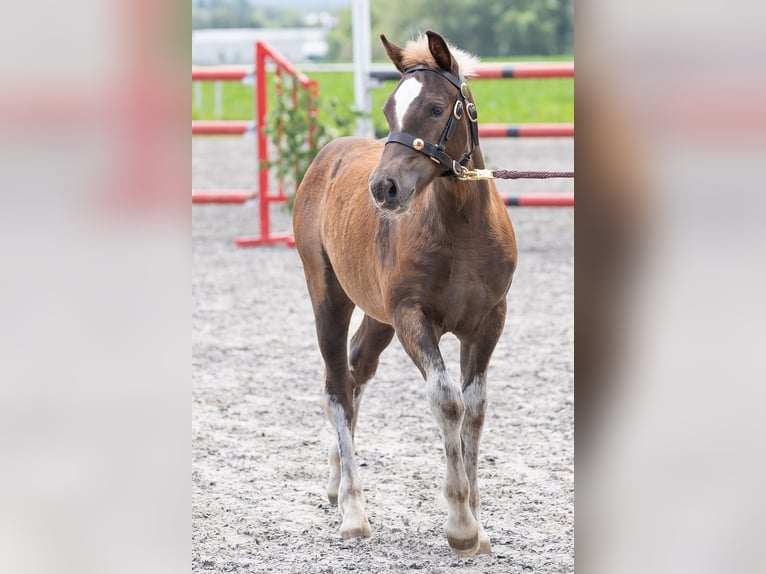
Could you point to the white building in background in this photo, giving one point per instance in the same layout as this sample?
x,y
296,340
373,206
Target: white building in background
x,y
236,45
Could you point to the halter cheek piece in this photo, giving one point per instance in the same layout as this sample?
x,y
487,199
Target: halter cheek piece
x,y
437,152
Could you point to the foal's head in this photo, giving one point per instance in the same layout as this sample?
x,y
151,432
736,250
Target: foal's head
x,y
431,119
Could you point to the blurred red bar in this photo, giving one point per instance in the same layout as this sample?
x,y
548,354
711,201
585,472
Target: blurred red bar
x,y
534,70
558,200
222,128
525,130
272,239
221,73
500,71
222,195
546,130
238,127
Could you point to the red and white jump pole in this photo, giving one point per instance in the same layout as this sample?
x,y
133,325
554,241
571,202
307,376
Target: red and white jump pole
x,y
265,198
526,130
244,128
221,73
223,128
222,195
531,70
548,200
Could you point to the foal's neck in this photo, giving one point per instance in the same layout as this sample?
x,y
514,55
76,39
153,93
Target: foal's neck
x,y
462,201
477,159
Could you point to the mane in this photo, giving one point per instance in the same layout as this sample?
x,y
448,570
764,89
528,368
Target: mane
x,y
416,52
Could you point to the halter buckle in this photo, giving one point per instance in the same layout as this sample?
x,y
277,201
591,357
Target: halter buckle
x,y
457,111
472,112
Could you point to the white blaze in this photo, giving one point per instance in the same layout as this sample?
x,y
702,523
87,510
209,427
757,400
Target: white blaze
x,y
404,97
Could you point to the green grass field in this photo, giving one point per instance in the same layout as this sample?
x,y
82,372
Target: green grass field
x,y
498,101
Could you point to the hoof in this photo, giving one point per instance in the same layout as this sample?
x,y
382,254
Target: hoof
x,y
332,488
465,547
463,534
485,546
355,529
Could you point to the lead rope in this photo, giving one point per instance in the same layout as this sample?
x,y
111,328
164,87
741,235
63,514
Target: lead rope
x,y
477,174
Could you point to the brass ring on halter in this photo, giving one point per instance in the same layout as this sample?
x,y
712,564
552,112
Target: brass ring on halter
x,y
457,169
473,114
458,110
464,89
418,144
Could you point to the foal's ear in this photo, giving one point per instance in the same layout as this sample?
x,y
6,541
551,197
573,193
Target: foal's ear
x,y
394,53
440,51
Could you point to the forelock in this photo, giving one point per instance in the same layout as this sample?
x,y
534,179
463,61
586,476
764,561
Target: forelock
x,y
416,52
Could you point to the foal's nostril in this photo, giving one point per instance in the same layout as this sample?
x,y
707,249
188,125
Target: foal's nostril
x,y
391,190
384,190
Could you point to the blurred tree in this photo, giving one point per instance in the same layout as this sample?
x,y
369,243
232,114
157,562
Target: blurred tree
x,y
243,14
490,29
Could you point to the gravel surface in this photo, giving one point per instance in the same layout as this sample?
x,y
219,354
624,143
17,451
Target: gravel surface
x,y
260,436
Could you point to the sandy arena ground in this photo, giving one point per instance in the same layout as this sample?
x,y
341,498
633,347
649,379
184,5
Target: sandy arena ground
x,y
260,436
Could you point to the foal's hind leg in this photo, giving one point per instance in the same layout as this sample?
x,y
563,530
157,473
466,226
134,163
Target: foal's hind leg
x,y
474,360
367,344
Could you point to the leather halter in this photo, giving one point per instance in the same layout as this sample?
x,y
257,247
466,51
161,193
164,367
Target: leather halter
x,y
437,152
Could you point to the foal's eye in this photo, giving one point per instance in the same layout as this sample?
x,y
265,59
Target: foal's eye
x,y
436,111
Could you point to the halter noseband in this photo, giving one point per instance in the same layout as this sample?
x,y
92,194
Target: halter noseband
x,y
437,152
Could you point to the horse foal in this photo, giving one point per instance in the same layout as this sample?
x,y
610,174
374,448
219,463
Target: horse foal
x,y
393,229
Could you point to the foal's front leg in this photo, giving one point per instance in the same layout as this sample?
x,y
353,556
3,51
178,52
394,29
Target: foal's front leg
x,y
474,361
332,319
419,338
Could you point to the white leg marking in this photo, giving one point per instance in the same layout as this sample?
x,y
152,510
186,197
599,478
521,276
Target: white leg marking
x,y
333,483
403,98
446,401
475,397
350,500
343,433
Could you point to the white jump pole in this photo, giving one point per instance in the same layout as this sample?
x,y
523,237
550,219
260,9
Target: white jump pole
x,y
360,32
